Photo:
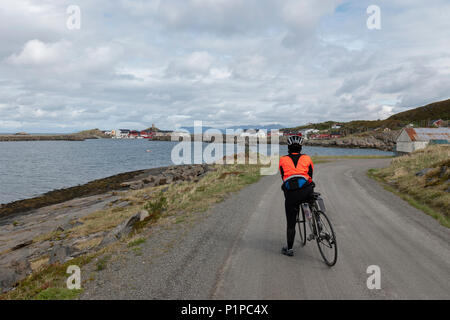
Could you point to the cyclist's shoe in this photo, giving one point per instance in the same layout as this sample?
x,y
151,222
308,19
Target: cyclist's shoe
x,y
287,252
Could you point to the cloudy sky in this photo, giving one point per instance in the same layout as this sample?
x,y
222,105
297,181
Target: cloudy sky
x,y
226,62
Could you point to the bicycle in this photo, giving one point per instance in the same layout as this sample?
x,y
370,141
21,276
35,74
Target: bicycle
x,y
320,228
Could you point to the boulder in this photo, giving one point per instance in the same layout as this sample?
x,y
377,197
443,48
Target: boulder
x,y
160,180
122,204
10,276
22,245
61,254
443,171
143,214
137,185
134,185
121,230
423,172
146,197
69,225
169,179
149,179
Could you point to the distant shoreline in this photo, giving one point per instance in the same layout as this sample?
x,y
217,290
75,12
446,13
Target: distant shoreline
x,y
49,137
382,143
358,143
17,138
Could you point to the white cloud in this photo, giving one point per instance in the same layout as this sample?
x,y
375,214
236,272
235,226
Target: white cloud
x,y
223,61
195,63
38,53
304,15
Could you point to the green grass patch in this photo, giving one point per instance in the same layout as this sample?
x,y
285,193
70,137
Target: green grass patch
x,y
102,263
214,187
136,242
51,280
157,206
58,294
137,251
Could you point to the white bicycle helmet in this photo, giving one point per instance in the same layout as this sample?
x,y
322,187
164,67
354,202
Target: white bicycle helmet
x,y
292,140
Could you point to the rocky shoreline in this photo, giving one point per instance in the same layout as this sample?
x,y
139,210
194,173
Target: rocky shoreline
x,y
119,182
384,141
16,138
366,143
80,136
23,224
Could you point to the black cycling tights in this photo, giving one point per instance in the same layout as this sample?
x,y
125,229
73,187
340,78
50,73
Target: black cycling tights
x,y
292,202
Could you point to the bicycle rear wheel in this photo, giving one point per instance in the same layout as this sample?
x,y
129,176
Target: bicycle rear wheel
x,y
326,238
301,227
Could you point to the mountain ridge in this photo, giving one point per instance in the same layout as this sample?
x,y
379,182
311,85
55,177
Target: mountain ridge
x,y
419,116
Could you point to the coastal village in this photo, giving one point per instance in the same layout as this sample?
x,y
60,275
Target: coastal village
x,y
400,138
406,140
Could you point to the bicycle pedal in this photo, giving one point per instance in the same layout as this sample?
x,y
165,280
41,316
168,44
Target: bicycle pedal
x,y
310,237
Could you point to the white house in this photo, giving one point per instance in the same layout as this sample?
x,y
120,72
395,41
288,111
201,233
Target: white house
x,y
307,132
120,133
411,139
254,134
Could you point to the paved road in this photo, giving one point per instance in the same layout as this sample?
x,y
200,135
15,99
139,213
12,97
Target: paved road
x,y
234,251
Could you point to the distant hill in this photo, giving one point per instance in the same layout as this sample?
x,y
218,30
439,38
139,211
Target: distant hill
x,y
419,116
432,111
267,127
155,129
191,129
244,127
91,134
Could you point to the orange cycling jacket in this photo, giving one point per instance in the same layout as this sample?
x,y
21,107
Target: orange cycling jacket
x,y
296,165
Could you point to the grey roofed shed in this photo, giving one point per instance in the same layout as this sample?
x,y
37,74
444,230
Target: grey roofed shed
x,y
427,134
411,139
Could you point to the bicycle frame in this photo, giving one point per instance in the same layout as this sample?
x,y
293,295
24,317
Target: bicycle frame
x,y
311,219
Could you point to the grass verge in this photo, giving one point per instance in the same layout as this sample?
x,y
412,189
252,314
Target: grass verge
x,y
49,283
422,179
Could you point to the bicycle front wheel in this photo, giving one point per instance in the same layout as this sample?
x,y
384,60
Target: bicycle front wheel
x,y
326,238
301,227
